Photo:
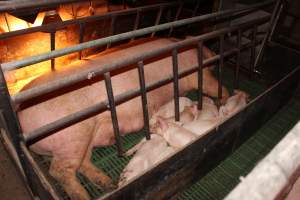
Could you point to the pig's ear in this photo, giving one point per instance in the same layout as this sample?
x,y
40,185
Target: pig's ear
x,y
162,123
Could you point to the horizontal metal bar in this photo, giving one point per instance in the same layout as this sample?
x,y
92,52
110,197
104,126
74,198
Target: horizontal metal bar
x,y
14,5
51,128
84,75
103,41
61,25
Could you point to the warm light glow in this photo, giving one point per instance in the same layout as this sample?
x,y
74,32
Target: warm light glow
x,y
3,24
15,23
39,20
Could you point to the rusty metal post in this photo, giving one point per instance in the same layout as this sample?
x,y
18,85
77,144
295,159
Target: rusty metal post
x,y
176,83
113,112
200,74
52,44
81,37
220,68
157,20
144,98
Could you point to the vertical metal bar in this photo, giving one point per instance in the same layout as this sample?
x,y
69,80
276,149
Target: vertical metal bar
x,y
113,112
176,84
238,59
276,12
112,29
157,20
81,36
252,53
52,44
13,127
196,9
200,74
220,68
144,98
137,22
176,17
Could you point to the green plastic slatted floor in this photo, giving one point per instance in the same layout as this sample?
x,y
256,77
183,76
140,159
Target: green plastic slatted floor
x,y
107,158
221,180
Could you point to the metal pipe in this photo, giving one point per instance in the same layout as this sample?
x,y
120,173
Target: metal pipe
x,y
157,20
81,37
103,41
113,112
276,11
137,21
252,53
78,21
12,125
52,46
200,74
111,30
238,59
91,111
72,79
144,99
14,5
220,68
176,83
176,17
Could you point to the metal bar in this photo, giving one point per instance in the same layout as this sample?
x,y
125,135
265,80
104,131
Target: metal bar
x,y
103,41
137,21
81,37
252,53
220,68
176,83
111,30
273,20
52,44
14,5
60,25
144,99
176,17
72,79
157,20
69,120
200,74
113,112
238,59
12,125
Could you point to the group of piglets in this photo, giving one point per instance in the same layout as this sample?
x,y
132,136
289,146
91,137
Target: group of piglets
x,y
169,135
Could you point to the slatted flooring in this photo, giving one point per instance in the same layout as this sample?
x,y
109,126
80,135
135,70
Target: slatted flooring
x,y
221,180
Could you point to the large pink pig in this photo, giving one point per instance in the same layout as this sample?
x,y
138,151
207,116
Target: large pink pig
x,y
71,147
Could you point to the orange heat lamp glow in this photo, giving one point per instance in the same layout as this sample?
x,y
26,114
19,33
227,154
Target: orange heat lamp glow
x,y
15,23
39,19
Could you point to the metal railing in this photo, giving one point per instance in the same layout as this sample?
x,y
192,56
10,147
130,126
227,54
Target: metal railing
x,y
112,101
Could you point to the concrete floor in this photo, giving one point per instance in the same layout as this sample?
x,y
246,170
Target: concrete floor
x,y
11,183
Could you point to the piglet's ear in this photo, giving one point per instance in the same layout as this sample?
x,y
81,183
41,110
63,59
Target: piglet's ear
x,y
163,124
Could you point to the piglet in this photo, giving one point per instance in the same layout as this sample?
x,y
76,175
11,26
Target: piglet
x,y
234,104
206,119
167,110
148,153
209,110
174,133
200,127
